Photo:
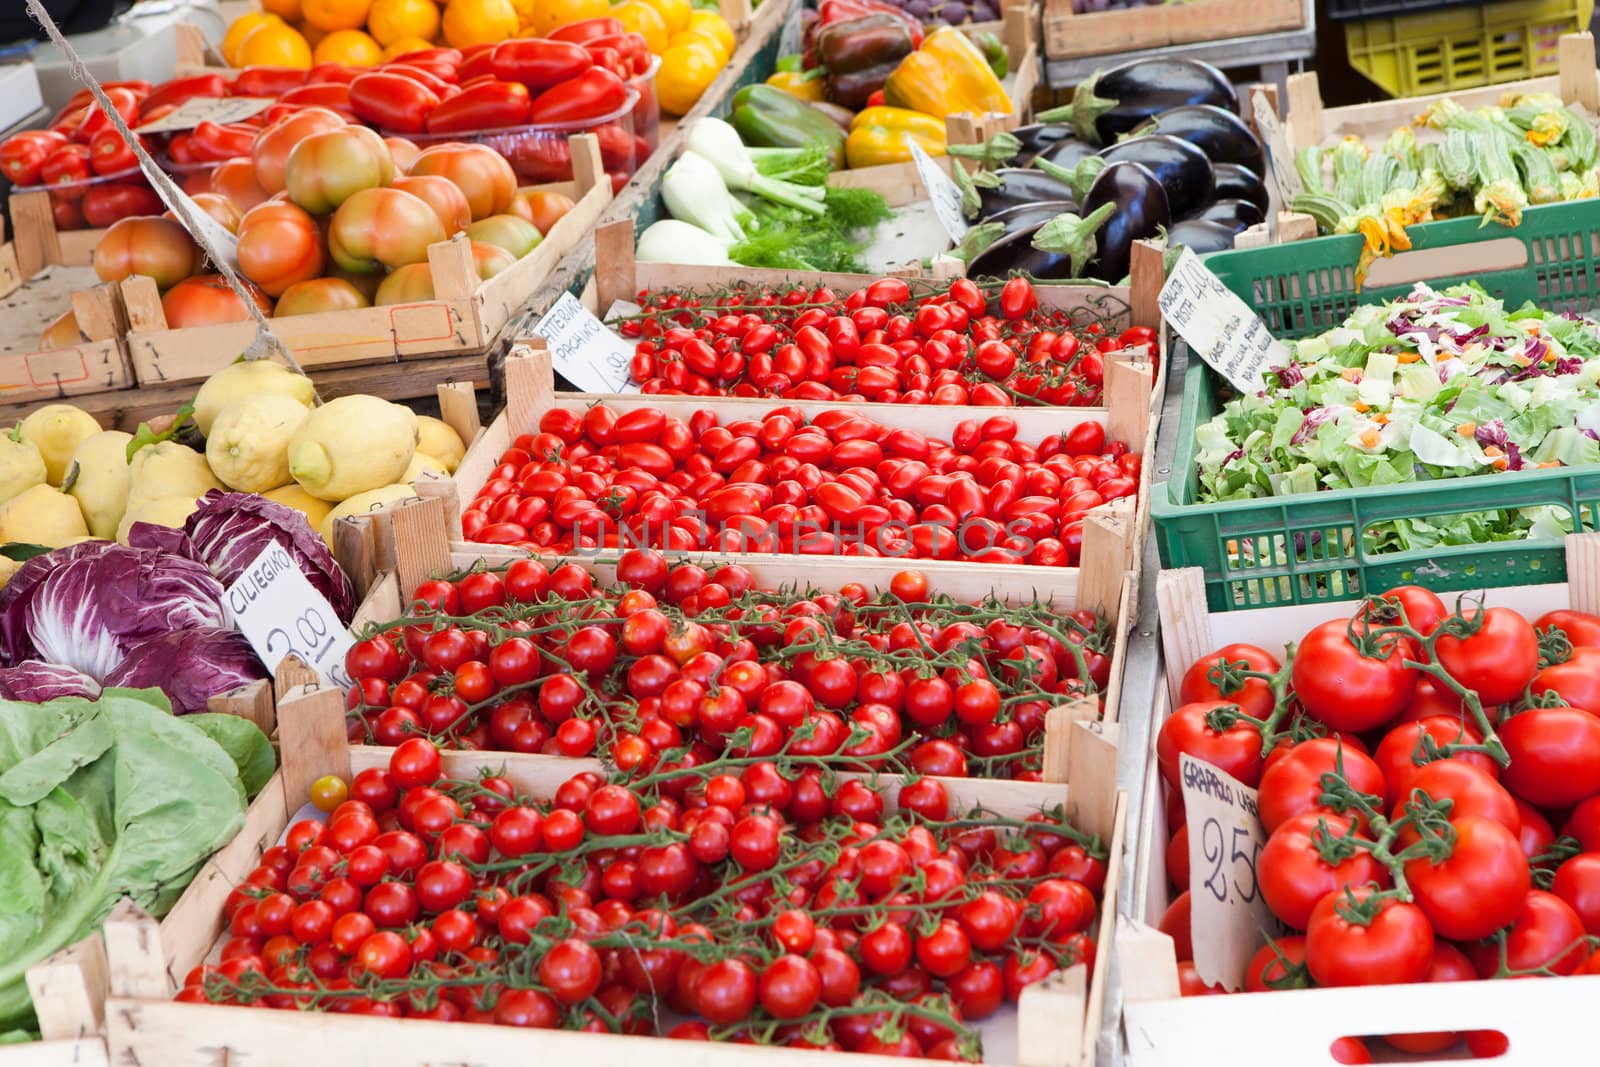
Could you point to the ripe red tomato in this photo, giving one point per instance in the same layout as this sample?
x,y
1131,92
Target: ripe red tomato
x,y
1381,941
1345,689
1498,661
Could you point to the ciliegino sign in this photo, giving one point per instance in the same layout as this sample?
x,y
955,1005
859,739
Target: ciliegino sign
x,y
281,614
1219,326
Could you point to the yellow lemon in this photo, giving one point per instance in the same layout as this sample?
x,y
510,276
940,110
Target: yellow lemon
x,y
275,44
349,47
333,15
239,29
393,20
470,22
675,13
404,45
717,26
639,17
288,10
703,38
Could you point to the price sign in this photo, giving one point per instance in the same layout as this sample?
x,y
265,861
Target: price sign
x,y
1228,912
219,109
943,193
583,350
1280,161
1219,326
281,613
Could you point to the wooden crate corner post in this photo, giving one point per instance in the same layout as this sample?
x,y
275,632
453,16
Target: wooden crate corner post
x,y
1580,81
1019,26
1185,620
1103,562
142,301
588,167
253,701
455,275
1583,572
1092,776
34,236
68,990
1147,274
421,542
312,737
1129,385
1305,126
458,409
1058,734
1046,1013
615,271
135,965
1147,960
530,384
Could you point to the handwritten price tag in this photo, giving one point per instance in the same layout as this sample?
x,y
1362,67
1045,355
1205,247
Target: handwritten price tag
x,y
943,193
280,613
1228,912
583,350
219,109
1280,161
1219,326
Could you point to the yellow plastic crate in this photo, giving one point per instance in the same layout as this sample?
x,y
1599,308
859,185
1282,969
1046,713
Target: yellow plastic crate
x,y
1461,48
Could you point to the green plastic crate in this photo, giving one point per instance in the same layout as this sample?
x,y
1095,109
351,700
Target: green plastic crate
x,y
1463,47
1308,548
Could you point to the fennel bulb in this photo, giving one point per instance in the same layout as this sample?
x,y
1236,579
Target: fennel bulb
x,y
719,143
694,192
671,241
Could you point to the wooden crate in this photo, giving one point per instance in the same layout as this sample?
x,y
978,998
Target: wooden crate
x,y
1108,33
43,273
1541,1017
69,996
1057,1021
467,315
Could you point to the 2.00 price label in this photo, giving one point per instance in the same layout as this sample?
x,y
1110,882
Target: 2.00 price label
x,y
1227,912
281,614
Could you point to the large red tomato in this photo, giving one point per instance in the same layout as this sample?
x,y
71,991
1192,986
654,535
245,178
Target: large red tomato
x,y
235,180
1293,784
1577,680
1293,875
1255,696
382,228
410,284
153,246
1555,755
1471,792
1478,888
1393,947
1236,750
1423,608
1346,690
1547,933
1581,628
206,300
441,194
326,169
104,204
279,245
1400,756
272,146
319,294
222,210
480,172
1498,661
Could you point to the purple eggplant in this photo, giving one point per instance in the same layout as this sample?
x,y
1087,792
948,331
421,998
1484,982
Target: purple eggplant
x,y
1238,215
1039,136
1219,133
1068,153
1141,210
1024,216
1112,103
1014,253
1181,168
1016,186
1232,182
1201,235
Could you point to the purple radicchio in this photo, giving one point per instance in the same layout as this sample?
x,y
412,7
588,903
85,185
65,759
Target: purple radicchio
x,y
189,666
1314,418
1494,433
85,605
35,681
229,530
1290,375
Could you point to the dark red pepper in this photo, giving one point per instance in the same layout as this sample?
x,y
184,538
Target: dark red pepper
x,y
452,57
333,72
538,64
104,204
110,154
180,90
270,82
214,143
588,29
178,148
594,94
449,73
22,154
332,95
426,77
493,105
610,59
392,102
476,66
67,165
126,102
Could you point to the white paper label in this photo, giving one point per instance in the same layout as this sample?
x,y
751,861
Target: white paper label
x,y
583,350
943,193
1219,326
1280,160
1228,913
280,612
219,109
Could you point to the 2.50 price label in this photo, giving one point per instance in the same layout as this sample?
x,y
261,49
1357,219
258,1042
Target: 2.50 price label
x,y
1228,914
281,614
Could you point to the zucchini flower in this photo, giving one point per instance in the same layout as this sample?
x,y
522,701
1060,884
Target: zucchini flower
x,y
1385,234
1502,201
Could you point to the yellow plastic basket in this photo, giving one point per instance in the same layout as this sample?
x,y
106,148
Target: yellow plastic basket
x,y
1461,48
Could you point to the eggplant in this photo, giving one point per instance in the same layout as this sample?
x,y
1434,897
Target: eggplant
x,y
1181,168
1019,186
1037,137
1015,252
1112,103
1233,182
1068,153
1024,216
1219,133
1140,211
1201,235
1237,214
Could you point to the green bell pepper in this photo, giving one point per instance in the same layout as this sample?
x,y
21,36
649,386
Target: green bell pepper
x,y
771,118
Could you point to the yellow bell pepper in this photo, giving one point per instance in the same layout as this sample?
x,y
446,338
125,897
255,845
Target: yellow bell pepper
x,y
885,134
946,76
796,84
686,70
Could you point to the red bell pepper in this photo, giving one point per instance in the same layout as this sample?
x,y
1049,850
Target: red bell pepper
x,y
610,59
594,94
323,73
269,82
392,102
178,149
537,63
68,120
616,147
126,101
451,57
67,165
22,154
449,73
493,105
110,154
587,30
104,204
476,66
829,11
84,97
332,95
214,143
179,90
426,77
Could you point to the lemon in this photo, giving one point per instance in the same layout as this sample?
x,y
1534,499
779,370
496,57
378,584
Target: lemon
x,y
56,430
351,48
168,469
470,22
674,13
101,485
248,378
352,444
239,29
360,503
438,439
292,496
717,26
397,20
639,17
21,465
421,464
170,511
275,44
43,515
248,447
